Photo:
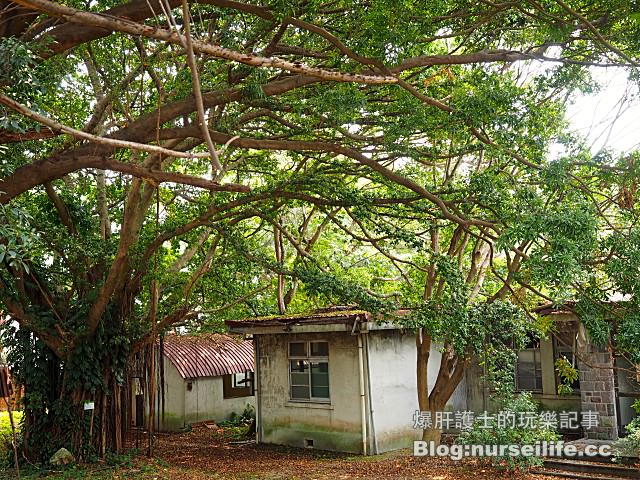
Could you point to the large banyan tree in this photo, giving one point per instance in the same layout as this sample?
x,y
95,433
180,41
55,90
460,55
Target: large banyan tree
x,y
173,163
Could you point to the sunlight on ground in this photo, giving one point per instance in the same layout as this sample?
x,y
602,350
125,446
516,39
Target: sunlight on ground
x,y
5,424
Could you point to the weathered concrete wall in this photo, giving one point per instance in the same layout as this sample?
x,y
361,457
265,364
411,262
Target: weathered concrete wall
x,y
174,404
394,398
333,426
389,358
205,401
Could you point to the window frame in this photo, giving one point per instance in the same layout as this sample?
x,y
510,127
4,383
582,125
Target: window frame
x,y
537,367
230,388
310,359
244,383
561,349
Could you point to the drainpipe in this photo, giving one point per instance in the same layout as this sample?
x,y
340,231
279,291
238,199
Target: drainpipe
x,y
363,397
372,429
257,389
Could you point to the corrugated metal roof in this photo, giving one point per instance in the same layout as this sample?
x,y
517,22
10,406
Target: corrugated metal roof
x,y
209,355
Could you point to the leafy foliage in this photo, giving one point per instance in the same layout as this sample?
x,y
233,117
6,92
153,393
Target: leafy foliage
x,y
496,434
438,189
629,446
568,375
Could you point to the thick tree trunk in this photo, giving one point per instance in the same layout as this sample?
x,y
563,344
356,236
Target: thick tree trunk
x,y
117,417
432,434
423,345
452,368
54,414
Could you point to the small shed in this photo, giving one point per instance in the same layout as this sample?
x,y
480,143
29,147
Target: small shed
x,y
337,380
206,378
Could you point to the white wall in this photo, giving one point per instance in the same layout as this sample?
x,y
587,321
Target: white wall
x,y
203,402
334,426
394,397
337,426
392,377
174,404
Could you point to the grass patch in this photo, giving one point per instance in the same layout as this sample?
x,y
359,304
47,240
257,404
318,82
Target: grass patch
x,y
96,473
6,435
5,424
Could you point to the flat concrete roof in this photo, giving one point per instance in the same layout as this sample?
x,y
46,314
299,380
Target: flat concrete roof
x,y
321,321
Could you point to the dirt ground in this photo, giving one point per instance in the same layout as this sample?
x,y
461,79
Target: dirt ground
x,y
210,453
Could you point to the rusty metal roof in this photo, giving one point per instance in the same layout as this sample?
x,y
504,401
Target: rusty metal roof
x,y
209,355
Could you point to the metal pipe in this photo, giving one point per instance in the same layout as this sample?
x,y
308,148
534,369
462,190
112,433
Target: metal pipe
x,y
372,430
363,398
256,388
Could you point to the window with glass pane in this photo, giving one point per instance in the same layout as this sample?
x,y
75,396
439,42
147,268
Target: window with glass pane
x,y
309,371
529,369
319,349
300,379
240,380
298,349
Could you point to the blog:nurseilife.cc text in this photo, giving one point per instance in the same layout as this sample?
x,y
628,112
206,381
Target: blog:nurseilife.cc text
x,y
541,449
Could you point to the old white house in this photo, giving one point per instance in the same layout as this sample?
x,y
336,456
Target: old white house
x,y
336,380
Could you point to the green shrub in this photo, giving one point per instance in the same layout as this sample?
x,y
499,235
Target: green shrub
x,y
629,446
490,433
245,418
238,426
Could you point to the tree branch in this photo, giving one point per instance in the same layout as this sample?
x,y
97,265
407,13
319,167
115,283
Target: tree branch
x,y
327,147
197,91
124,25
41,171
59,127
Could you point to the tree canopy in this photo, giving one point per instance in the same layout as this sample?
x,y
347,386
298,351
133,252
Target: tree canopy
x,y
177,163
